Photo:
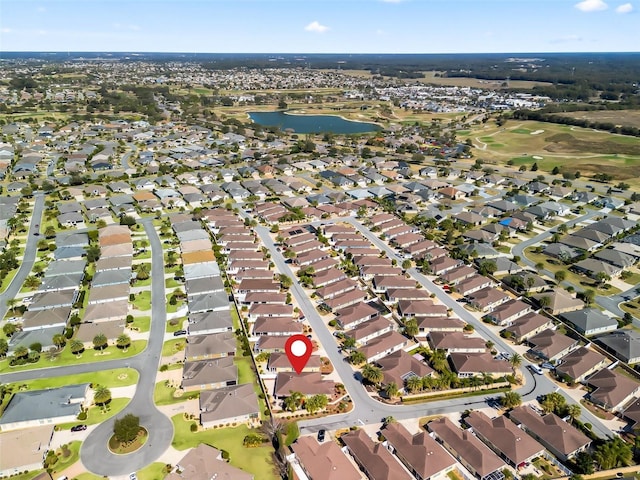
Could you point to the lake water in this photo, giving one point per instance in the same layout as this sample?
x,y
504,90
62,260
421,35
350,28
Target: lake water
x,y
312,123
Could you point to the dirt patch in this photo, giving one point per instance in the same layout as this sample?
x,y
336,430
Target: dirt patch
x,y
565,142
617,117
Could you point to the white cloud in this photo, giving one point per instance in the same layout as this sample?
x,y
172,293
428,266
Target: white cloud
x,y
316,27
392,1
5,30
591,5
625,8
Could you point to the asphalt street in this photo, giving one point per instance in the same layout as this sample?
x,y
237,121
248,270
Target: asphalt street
x,y
29,255
94,453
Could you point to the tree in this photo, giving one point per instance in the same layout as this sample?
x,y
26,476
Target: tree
x,y
293,401
391,390
59,340
123,341
372,374
100,341
411,327
553,402
613,453
406,264
142,271
534,167
349,343
589,296
101,395
93,253
316,403
511,399
11,303
584,463
357,357
127,220
4,347
515,361
76,347
126,428
574,411
602,278
9,329
21,352
285,281
487,267
253,440
555,171
32,282
414,384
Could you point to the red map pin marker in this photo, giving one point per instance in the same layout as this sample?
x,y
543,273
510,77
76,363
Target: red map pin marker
x,y
298,349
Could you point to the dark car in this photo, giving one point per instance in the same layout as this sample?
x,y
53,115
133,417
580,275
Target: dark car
x,y
177,333
321,434
78,428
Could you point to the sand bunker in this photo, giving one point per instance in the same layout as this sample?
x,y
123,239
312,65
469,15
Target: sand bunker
x,y
537,157
537,132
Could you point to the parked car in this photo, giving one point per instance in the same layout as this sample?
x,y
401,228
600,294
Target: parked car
x,y
536,369
321,434
78,428
178,333
133,476
548,366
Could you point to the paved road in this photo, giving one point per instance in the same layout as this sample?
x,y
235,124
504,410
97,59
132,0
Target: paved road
x,y
541,384
94,452
28,257
367,410
610,303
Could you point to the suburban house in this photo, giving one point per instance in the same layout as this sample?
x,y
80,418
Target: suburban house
x,y
550,345
373,458
204,463
612,390
579,364
232,404
206,374
624,344
474,455
561,438
590,321
24,450
505,438
323,460
399,366
421,454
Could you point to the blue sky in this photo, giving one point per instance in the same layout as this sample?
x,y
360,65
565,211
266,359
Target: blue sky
x,y
320,26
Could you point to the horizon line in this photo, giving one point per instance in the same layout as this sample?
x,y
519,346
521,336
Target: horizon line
x,y
315,53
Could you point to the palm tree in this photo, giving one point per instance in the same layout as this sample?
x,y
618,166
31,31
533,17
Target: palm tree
x,y
21,352
574,411
52,354
613,453
544,301
372,374
391,390
293,401
11,303
357,357
100,341
438,359
101,395
31,282
59,340
414,384
515,361
77,347
511,400
123,341
411,327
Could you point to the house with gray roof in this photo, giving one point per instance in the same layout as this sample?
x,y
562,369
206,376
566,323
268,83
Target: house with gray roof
x,y
208,374
590,321
226,405
616,258
624,344
204,323
40,407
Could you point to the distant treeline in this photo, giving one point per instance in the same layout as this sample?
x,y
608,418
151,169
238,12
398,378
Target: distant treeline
x,y
545,115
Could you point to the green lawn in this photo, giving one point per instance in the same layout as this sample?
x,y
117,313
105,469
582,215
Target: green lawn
x,y
68,358
163,395
155,471
87,476
634,279
142,323
246,375
143,300
172,283
173,346
253,460
170,327
98,415
120,377
142,283
63,463
7,280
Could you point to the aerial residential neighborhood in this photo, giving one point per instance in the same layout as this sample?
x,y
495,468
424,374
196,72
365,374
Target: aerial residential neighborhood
x,y
469,316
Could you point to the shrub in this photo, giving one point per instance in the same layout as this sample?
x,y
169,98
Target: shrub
x,y
194,427
82,415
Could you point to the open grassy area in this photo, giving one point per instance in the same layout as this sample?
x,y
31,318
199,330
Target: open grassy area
x,y
163,395
68,358
155,471
253,460
98,415
549,145
617,117
142,323
120,377
175,324
173,346
142,300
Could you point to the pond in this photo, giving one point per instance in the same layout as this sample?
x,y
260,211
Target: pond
x,y
312,123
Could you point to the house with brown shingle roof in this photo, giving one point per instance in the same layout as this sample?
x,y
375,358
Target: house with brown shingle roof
x,y
456,342
439,324
205,347
422,455
384,345
488,298
352,316
373,458
204,463
478,364
612,390
323,461
367,331
278,362
307,384
505,438
233,404
527,326
551,345
509,311
398,366
474,455
562,439
579,364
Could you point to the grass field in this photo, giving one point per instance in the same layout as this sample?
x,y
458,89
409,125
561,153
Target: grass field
x,y
253,460
430,77
550,145
617,117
